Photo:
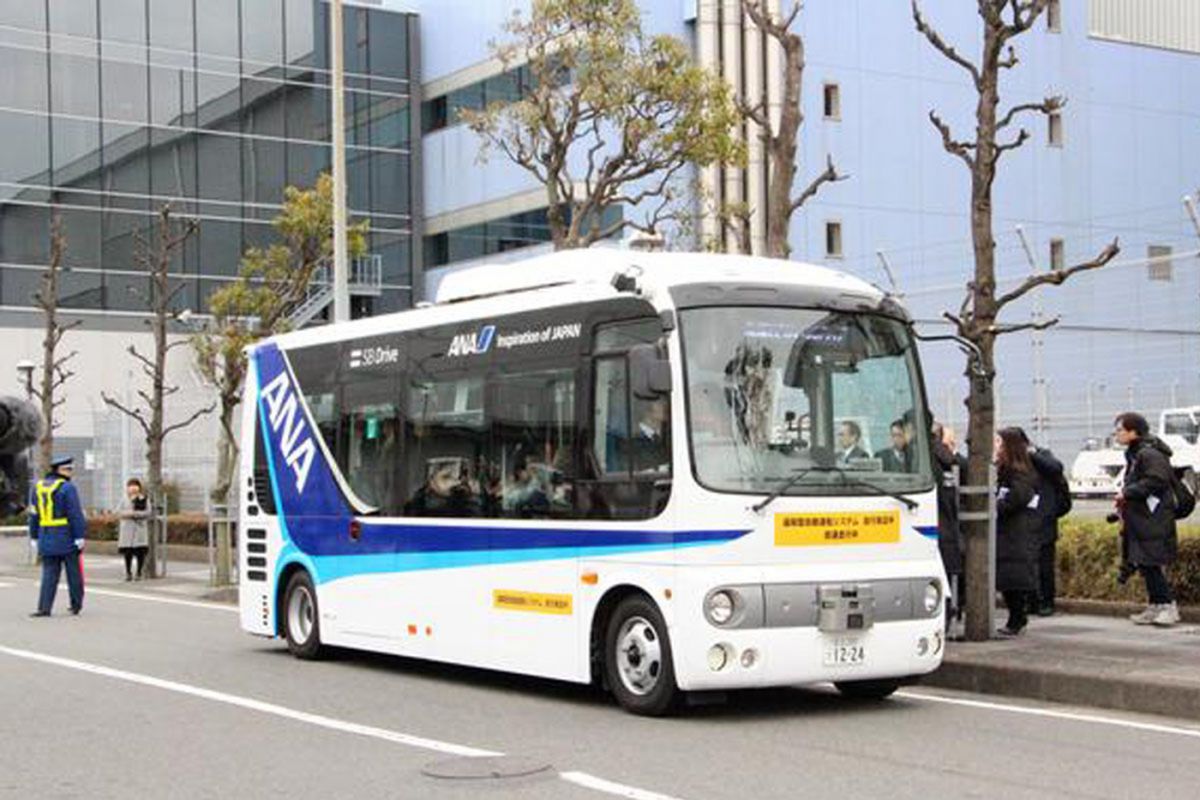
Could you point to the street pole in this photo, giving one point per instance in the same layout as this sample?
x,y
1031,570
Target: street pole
x,y
341,284
1038,342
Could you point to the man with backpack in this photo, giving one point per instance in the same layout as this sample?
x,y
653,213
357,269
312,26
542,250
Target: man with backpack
x,y
1148,504
1054,504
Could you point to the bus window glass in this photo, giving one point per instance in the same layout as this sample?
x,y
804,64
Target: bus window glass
x,y
773,392
445,448
371,440
531,470
611,417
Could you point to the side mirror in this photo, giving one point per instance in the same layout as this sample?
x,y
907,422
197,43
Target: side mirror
x,y
649,373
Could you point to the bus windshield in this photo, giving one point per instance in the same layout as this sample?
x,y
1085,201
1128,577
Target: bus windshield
x,y
819,401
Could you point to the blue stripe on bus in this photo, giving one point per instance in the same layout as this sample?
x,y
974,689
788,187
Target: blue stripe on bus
x,y
928,531
331,568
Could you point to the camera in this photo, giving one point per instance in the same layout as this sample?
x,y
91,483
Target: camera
x,y
1113,519
1125,572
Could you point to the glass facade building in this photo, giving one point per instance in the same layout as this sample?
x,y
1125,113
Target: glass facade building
x,y
110,108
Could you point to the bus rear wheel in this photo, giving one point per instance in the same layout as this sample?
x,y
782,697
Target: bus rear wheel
x,y
637,658
301,623
867,690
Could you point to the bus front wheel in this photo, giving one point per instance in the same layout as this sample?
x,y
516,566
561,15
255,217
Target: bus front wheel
x,y
638,658
301,624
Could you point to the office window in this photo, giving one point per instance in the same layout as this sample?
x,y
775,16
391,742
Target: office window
x,y
1160,267
833,240
1054,16
1054,129
1057,254
833,101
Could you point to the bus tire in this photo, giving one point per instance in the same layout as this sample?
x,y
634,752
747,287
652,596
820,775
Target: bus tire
x,y
301,621
867,690
637,658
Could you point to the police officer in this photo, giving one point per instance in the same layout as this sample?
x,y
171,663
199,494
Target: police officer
x,y
57,527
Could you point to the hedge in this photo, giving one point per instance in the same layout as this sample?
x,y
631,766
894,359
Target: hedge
x,y
181,528
1089,554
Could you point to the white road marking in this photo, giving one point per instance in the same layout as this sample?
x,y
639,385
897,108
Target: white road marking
x,y
320,721
1095,719
155,598
5,585
618,789
344,726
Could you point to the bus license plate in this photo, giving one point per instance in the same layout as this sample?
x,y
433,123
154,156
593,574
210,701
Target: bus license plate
x,y
845,653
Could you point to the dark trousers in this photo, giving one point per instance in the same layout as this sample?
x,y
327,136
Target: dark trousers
x,y
130,553
52,567
1046,586
1157,586
1016,602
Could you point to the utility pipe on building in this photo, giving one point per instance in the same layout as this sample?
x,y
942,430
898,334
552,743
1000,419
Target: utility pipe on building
x,y
337,127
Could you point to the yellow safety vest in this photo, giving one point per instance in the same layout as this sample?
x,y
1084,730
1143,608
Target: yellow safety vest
x,y
45,504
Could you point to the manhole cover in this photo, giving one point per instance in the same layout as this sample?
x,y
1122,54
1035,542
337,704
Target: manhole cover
x,y
485,768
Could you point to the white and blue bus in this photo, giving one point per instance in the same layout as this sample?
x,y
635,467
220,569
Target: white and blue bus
x,y
663,473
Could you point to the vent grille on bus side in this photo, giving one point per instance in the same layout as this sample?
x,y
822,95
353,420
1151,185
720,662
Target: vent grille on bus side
x,y
262,491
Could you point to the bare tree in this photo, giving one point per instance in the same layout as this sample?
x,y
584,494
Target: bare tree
x,y
781,137
156,258
977,319
54,373
612,117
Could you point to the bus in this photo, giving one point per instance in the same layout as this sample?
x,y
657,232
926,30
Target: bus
x,y
662,473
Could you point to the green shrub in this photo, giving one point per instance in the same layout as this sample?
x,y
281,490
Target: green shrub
x,y
1089,553
181,528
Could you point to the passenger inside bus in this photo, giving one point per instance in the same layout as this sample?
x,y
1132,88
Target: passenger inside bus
x,y
650,449
448,491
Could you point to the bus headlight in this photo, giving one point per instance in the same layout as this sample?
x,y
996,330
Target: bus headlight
x,y
933,597
719,606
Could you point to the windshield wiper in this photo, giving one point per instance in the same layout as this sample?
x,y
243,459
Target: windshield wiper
x,y
789,483
846,481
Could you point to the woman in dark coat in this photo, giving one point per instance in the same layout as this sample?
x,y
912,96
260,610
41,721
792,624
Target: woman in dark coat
x,y
1018,527
1146,503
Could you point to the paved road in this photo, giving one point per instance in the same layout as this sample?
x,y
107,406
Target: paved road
x,y
140,698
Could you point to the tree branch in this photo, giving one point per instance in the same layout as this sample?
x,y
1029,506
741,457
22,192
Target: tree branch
x,y
135,414
952,145
1047,106
195,416
1058,276
830,175
1000,330
940,44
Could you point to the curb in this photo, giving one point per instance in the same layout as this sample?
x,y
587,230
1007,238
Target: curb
x,y
1070,687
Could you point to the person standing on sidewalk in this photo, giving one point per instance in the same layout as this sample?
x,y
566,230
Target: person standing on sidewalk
x,y
133,536
1055,504
57,529
950,540
1018,527
1146,504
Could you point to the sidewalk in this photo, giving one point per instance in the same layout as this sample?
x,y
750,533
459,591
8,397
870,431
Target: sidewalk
x,y
1099,661
184,579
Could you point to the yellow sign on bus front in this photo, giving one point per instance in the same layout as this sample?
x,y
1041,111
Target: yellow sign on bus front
x,y
840,527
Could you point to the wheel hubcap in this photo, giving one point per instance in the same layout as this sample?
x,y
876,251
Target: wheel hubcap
x,y
639,656
300,615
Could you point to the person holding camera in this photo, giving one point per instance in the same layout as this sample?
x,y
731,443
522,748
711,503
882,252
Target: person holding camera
x,y
1146,507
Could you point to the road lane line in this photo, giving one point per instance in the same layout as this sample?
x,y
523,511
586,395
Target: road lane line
x,y
618,789
1096,719
395,737
155,598
5,585
318,720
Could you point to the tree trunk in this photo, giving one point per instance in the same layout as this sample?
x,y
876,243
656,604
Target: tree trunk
x,y
46,444
981,408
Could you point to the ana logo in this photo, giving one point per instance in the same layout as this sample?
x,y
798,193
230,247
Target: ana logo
x,y
470,344
288,424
